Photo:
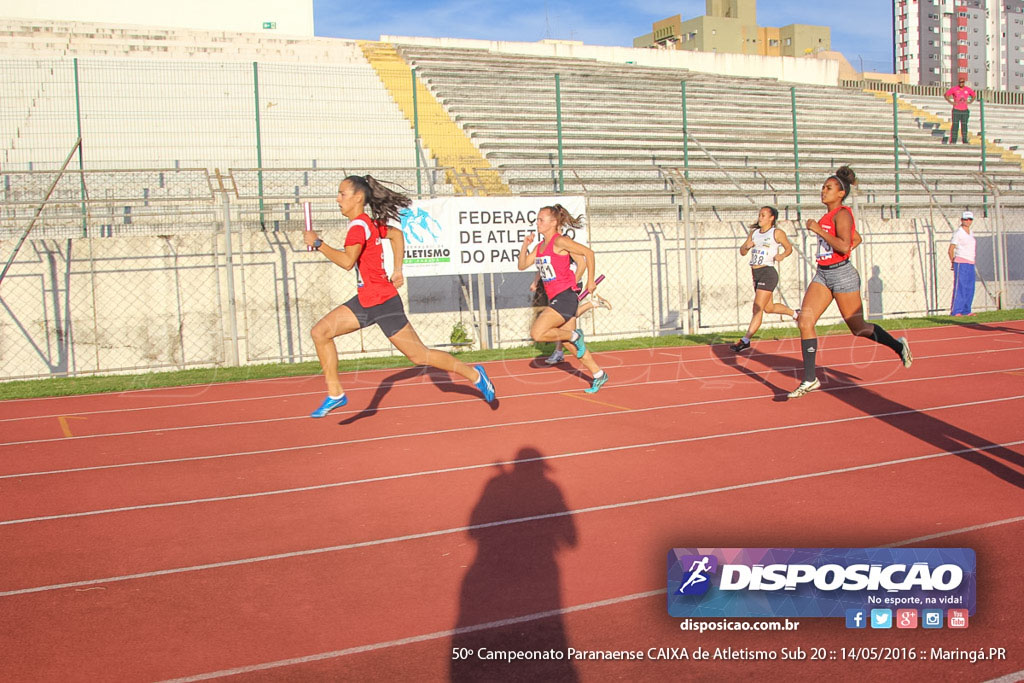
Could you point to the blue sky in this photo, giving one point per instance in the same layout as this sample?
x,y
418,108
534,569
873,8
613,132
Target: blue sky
x,y
860,30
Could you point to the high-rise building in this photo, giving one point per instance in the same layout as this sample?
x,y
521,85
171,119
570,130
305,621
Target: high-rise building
x,y
731,26
937,41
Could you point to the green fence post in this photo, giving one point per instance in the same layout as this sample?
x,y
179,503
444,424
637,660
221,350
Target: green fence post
x,y
686,137
796,151
259,142
416,134
896,149
81,164
984,166
984,159
558,123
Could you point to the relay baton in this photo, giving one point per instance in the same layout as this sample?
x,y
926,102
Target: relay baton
x,y
585,292
308,211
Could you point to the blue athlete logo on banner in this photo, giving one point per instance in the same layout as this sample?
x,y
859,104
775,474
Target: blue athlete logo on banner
x,y
416,222
696,580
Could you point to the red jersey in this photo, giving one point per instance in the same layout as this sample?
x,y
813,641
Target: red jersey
x,y
555,271
826,256
372,280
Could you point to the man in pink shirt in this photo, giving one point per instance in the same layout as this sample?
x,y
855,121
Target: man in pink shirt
x,y
960,96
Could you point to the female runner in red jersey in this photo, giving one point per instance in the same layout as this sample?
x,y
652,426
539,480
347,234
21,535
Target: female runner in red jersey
x,y
836,278
553,258
377,300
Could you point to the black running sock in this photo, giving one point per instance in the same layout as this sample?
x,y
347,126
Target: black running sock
x,y
810,350
882,337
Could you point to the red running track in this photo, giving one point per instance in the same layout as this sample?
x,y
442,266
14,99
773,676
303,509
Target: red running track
x,y
210,531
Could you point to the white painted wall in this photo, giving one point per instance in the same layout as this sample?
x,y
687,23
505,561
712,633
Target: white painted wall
x,y
293,17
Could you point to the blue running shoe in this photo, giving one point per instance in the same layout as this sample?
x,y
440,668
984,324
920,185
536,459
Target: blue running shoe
x,y
484,384
581,346
328,405
596,385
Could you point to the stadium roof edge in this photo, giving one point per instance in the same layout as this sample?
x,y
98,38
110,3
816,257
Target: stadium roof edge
x,y
803,70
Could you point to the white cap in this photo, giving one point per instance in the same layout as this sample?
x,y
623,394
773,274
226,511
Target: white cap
x,y
967,215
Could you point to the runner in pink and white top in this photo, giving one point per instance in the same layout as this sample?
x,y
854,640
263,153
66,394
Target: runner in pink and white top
x,y
553,258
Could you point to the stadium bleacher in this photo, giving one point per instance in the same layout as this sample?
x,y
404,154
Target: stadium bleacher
x,y
159,97
622,128
170,148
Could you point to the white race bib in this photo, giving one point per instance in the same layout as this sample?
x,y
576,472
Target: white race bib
x,y
544,267
760,256
824,250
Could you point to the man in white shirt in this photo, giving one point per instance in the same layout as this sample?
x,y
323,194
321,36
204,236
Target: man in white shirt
x,y
961,256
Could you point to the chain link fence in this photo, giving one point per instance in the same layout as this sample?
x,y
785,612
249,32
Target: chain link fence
x,y
140,275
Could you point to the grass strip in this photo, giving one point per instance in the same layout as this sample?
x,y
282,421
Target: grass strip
x,y
95,384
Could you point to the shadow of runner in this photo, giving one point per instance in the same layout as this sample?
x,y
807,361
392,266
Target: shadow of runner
x,y
997,460
515,573
972,325
740,361
441,379
565,366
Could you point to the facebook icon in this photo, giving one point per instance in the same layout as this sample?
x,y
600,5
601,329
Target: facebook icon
x,y
856,618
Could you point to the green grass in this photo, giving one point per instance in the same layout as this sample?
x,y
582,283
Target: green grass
x,y
109,383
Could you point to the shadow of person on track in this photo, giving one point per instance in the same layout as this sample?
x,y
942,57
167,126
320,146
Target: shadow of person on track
x,y
441,379
565,366
968,324
515,574
741,361
945,437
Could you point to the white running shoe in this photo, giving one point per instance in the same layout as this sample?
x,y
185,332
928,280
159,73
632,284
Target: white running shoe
x,y
555,358
805,388
905,355
601,302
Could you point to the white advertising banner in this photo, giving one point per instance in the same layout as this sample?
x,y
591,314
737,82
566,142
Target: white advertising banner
x,y
467,235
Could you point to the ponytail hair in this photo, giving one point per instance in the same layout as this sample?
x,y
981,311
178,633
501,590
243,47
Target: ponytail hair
x,y
563,217
775,217
846,178
384,202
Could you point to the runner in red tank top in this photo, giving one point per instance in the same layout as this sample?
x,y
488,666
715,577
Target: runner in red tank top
x,y
377,300
553,257
837,279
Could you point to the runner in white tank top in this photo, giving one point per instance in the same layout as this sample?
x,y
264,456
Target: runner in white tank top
x,y
763,246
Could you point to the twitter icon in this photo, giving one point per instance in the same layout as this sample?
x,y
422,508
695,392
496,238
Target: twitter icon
x,y
881,618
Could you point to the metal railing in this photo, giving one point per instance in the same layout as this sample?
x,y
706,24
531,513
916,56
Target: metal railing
x,y
201,281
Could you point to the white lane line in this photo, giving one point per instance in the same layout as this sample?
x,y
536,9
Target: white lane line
x,y
437,635
185,388
406,475
526,618
375,385
730,376
285,449
505,522
962,530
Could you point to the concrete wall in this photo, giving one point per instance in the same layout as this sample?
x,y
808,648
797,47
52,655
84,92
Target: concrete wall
x,y
789,69
292,17
145,303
